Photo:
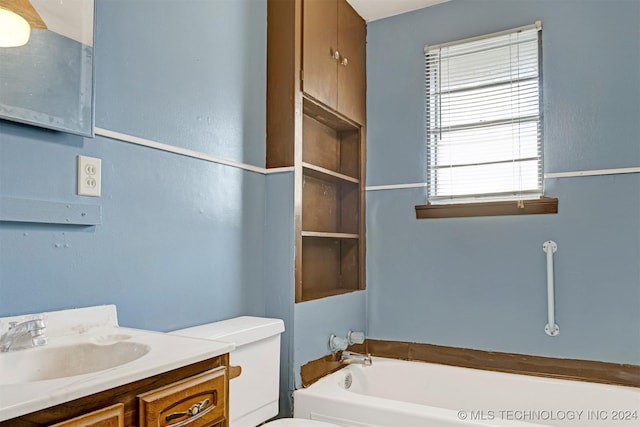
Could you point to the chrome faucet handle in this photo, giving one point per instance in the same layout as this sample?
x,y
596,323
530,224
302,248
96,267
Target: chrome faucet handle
x,y
336,343
354,337
37,333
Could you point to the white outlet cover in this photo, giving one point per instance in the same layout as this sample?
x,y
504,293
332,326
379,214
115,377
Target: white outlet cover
x,y
89,176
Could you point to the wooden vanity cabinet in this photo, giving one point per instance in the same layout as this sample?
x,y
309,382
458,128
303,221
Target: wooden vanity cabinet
x,y
144,402
334,56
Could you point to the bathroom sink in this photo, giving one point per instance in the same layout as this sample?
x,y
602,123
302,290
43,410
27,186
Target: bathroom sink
x,y
86,353
52,362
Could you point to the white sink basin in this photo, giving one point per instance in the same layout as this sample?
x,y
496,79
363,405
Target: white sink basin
x,y
52,362
88,353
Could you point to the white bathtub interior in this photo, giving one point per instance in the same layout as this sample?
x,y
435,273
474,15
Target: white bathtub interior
x,y
398,393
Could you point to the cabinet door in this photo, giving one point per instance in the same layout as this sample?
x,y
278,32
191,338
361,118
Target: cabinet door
x,y
199,401
113,416
352,84
320,50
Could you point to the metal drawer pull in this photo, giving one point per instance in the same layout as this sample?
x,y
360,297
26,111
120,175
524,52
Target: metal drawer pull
x,y
191,412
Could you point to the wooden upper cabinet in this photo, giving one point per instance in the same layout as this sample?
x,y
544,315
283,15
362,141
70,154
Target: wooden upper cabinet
x,y
320,52
334,56
352,78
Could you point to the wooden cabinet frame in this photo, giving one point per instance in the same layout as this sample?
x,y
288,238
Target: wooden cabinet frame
x,y
334,56
327,150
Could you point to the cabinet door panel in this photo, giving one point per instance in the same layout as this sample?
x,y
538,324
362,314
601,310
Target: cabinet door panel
x,y
113,416
352,79
319,44
198,401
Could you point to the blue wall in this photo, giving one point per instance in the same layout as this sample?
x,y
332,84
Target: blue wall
x,y
278,273
480,282
181,240
190,74
316,320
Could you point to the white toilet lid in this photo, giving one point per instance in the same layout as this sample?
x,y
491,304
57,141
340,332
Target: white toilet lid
x,y
298,422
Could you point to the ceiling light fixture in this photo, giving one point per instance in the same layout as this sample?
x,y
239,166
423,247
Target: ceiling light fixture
x,y
17,18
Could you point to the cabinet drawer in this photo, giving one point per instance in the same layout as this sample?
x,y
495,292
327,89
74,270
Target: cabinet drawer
x,y
198,401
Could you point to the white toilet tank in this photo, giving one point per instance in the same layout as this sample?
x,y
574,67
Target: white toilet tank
x,y
253,396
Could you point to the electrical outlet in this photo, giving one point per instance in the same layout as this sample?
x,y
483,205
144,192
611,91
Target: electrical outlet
x,y
89,179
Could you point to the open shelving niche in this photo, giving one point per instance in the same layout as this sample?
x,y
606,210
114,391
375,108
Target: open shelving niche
x,y
332,233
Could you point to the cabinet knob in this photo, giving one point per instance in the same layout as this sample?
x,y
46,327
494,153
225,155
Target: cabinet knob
x,y
345,62
336,55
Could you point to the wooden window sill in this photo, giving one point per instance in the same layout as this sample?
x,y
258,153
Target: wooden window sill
x,y
544,205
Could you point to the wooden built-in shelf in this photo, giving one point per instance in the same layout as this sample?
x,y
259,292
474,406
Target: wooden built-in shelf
x,y
329,206
310,296
316,122
332,231
329,151
326,174
330,235
333,119
330,266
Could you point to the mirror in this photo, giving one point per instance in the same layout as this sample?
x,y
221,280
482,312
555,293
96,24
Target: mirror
x,y
48,81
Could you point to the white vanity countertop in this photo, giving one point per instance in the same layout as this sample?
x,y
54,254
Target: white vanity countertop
x,y
95,325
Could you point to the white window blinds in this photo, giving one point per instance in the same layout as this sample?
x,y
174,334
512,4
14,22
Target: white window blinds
x,y
484,121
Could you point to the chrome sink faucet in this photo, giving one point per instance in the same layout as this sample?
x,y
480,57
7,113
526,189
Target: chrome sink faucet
x,y
350,358
14,338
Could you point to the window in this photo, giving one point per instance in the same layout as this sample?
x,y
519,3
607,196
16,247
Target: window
x,y
484,120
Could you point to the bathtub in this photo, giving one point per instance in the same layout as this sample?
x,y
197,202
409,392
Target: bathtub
x,y
395,393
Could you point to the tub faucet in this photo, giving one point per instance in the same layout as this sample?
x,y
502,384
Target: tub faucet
x,y
351,358
13,339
